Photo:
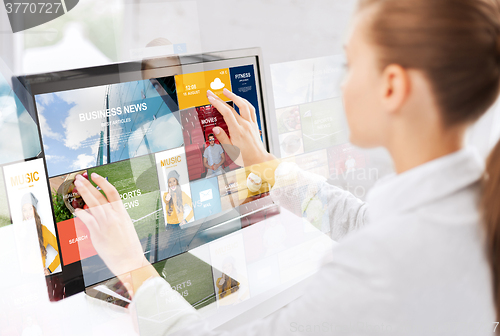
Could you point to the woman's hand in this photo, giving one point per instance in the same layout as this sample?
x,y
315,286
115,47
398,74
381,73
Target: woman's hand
x,y
245,146
111,230
168,197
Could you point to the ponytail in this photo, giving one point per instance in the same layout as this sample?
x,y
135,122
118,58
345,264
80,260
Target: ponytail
x,y
491,219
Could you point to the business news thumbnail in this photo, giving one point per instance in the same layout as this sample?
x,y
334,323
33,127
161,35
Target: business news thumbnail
x,y
93,126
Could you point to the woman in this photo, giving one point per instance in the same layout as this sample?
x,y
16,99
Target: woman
x,y
177,202
232,286
29,205
423,259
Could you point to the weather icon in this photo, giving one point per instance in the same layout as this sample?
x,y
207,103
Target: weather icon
x,y
217,84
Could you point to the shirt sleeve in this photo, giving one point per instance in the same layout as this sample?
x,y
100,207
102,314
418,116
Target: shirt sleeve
x,y
160,310
341,302
294,189
205,153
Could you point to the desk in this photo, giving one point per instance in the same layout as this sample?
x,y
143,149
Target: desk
x,y
279,255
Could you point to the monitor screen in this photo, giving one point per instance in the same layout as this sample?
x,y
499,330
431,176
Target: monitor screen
x,y
147,128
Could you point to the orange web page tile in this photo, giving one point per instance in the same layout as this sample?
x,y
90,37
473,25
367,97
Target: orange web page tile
x,y
192,88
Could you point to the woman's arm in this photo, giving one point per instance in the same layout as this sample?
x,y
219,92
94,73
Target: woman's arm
x,y
160,310
348,296
294,188
345,211
112,233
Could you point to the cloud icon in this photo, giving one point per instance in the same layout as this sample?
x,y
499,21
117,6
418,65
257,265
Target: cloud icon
x,y
217,84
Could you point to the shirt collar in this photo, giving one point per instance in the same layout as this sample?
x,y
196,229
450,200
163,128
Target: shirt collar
x,y
426,183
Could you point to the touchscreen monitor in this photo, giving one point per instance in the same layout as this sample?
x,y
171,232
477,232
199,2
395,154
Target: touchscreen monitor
x,y
147,128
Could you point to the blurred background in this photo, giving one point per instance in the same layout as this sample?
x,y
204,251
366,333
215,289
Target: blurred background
x,y
301,43
302,49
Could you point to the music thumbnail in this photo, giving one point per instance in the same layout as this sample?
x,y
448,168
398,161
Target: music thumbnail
x,y
30,203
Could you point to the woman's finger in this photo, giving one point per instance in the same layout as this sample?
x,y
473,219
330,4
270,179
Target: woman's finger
x,y
89,221
109,190
95,198
92,197
214,96
246,109
230,115
221,136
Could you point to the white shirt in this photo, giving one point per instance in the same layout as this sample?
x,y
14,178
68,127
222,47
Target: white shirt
x,y
213,154
416,264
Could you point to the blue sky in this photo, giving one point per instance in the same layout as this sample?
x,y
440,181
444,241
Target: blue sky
x,y
71,144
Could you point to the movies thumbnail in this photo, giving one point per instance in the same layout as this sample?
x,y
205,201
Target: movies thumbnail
x,y
202,155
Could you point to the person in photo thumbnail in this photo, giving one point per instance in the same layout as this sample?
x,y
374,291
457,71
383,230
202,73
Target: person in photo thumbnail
x,y
213,157
29,206
227,285
178,203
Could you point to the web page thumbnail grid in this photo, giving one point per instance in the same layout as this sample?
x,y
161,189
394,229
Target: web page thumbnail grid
x,y
151,139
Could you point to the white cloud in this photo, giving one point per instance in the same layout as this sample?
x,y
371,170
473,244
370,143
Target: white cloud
x,y
83,161
44,126
217,84
45,99
85,100
165,130
54,158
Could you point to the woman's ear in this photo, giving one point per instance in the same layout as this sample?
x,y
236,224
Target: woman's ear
x,y
395,88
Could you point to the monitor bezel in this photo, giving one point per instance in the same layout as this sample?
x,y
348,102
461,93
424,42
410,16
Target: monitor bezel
x,y
171,65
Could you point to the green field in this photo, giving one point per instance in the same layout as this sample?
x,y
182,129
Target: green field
x,y
129,177
185,269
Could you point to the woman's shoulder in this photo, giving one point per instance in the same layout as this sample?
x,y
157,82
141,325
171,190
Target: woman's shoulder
x,y
412,253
